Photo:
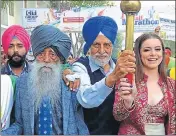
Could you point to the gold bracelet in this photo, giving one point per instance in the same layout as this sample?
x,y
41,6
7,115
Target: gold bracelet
x,y
131,108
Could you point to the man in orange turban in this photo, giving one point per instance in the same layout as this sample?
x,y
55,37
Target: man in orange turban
x,y
169,60
167,56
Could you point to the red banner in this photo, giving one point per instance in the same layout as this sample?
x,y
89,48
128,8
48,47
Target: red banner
x,y
73,19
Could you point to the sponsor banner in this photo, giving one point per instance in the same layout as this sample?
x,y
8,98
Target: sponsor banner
x,y
167,28
73,20
33,17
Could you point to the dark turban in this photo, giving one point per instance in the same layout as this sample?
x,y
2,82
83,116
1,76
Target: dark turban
x,y
94,26
18,32
45,36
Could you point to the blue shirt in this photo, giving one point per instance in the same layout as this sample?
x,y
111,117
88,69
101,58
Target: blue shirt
x,y
25,70
89,95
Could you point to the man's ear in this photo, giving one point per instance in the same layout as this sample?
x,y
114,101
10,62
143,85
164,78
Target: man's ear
x,y
88,53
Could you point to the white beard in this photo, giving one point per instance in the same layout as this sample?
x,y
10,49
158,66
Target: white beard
x,y
100,62
45,80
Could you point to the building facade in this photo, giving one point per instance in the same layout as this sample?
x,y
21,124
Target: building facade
x,y
12,14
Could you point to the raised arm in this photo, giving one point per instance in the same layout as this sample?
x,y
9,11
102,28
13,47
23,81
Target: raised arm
x,y
124,100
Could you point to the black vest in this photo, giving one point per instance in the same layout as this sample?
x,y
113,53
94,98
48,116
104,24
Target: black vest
x,y
100,120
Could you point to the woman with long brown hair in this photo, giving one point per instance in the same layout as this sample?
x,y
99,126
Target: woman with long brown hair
x,y
149,106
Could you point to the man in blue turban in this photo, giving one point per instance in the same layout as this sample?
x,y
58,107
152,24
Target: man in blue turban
x,y
98,74
44,104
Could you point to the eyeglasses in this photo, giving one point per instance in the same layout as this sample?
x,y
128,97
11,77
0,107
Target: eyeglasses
x,y
97,45
50,54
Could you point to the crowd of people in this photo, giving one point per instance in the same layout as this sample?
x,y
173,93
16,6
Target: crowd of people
x,y
57,94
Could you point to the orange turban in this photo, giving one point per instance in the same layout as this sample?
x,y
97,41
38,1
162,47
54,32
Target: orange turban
x,y
168,52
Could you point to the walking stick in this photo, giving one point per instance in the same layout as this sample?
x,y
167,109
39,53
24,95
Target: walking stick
x,y
130,8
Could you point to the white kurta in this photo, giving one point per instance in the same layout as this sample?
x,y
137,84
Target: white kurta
x,y
7,92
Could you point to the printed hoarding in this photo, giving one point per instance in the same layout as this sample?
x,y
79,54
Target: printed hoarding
x,y
72,20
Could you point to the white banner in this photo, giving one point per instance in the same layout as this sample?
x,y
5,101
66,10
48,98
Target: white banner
x,y
72,20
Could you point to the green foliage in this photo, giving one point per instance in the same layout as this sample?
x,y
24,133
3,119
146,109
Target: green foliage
x,y
85,3
77,3
118,45
61,4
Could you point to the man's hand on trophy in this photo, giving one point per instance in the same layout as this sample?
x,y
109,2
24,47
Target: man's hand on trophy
x,y
125,64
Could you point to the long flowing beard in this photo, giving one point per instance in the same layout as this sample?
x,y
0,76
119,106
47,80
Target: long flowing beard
x,y
45,80
101,62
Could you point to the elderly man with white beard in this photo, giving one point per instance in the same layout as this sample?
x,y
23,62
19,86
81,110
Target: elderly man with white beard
x,y
44,104
98,74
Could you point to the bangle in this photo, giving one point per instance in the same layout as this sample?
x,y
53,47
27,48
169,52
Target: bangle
x,y
131,108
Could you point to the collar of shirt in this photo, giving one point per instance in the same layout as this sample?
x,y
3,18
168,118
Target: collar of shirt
x,y
95,67
24,70
160,80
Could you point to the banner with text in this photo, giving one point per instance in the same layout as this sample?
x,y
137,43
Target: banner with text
x,y
73,20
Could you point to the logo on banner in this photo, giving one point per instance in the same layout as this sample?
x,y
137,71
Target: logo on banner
x,y
139,20
152,18
151,12
31,15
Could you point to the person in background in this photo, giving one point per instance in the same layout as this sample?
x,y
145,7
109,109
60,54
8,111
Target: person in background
x,y
157,30
16,43
44,104
3,57
148,106
168,51
98,73
171,73
167,56
170,61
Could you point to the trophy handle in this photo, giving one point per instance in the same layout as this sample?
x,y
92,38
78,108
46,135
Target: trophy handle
x,y
130,8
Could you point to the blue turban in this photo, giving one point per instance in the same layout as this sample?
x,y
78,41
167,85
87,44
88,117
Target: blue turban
x,y
45,36
94,26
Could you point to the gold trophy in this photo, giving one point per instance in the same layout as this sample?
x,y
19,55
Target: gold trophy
x,y
130,8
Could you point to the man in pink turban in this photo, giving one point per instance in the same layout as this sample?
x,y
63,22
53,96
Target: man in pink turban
x,y
15,43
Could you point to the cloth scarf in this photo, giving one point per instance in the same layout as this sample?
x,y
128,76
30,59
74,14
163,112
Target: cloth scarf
x,y
45,117
7,92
